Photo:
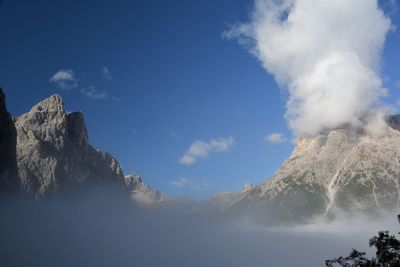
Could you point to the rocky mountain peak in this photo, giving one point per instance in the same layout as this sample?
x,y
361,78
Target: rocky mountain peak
x,y
47,151
53,103
133,181
54,153
141,192
247,187
348,168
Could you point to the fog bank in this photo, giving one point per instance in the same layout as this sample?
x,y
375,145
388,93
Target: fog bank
x,y
105,231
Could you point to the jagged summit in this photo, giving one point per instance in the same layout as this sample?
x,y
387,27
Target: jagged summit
x,y
53,103
54,155
47,151
53,151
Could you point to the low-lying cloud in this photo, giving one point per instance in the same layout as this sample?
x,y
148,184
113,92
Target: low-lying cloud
x,y
200,149
99,230
325,52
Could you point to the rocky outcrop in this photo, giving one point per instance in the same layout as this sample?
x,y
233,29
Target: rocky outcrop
x,y
349,168
141,192
8,141
53,152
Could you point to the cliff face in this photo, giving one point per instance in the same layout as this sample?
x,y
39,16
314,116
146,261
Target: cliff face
x,y
8,142
53,151
347,168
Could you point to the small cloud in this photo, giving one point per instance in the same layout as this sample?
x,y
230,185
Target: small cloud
x,y
106,73
275,138
188,183
65,79
134,131
187,160
92,93
201,149
397,84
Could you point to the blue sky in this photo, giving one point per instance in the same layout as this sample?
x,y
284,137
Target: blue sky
x,y
152,77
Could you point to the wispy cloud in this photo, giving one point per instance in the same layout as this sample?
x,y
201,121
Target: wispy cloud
x,y
200,149
275,138
64,79
175,135
188,183
106,73
92,93
397,84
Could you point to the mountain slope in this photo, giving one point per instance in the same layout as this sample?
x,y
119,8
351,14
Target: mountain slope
x,y
349,168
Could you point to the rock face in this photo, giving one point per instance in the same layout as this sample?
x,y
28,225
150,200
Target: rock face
x,y
141,192
8,142
346,168
53,152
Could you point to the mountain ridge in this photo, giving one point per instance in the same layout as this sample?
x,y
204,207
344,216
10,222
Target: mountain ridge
x,y
350,168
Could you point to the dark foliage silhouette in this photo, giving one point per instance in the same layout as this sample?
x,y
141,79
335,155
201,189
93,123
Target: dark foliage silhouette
x,y
387,253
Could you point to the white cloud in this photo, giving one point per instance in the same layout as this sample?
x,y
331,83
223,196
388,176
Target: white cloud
x,y
188,183
92,93
275,138
65,79
106,73
325,52
200,149
397,84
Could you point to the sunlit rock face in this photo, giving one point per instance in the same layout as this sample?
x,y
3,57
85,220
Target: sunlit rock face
x,y
54,154
8,142
348,168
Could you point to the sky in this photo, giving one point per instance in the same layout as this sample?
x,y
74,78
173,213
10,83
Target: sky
x,y
168,87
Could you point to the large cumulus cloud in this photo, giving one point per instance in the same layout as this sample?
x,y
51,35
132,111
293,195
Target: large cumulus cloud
x,y
325,52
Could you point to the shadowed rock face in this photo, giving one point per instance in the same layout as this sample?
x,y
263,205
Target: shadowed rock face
x,y
8,142
54,154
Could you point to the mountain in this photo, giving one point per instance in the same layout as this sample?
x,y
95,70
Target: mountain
x,y
53,152
142,193
8,144
349,168
47,152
